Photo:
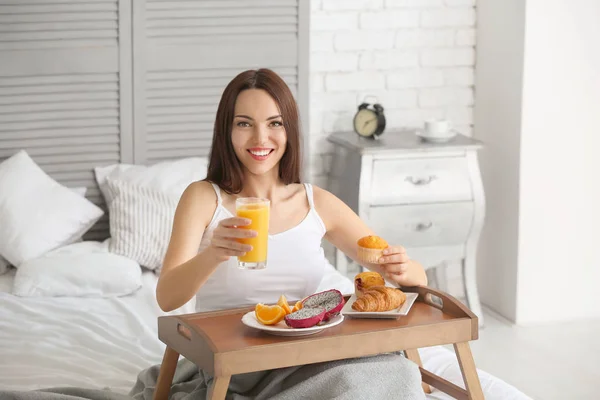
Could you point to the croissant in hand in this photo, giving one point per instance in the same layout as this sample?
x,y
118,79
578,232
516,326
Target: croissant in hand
x,y
379,299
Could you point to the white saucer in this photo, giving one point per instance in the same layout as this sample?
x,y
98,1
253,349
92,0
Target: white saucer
x,y
281,329
436,139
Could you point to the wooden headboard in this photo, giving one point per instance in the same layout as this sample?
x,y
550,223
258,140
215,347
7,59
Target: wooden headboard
x,y
86,83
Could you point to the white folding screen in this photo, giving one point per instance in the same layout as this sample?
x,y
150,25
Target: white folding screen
x,y
65,87
85,83
185,52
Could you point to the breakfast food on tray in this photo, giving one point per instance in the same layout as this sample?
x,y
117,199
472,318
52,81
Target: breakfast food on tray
x,y
306,317
370,248
314,309
282,302
379,299
317,308
297,306
269,315
332,300
366,280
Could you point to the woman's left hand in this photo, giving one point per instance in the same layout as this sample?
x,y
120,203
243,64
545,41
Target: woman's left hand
x,y
398,267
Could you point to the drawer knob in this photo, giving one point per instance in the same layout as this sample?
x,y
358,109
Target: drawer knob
x,y
423,227
420,181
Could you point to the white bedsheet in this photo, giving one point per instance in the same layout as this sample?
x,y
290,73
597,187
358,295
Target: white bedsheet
x,y
50,342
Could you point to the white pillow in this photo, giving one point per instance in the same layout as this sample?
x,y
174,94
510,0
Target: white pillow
x,y
4,264
38,214
166,176
141,202
85,269
141,220
80,190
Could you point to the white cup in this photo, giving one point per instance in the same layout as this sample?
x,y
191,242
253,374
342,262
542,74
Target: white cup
x,y
438,128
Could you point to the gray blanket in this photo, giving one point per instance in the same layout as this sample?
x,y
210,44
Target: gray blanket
x,y
386,376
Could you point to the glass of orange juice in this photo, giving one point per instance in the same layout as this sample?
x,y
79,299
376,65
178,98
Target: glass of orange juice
x,y
256,210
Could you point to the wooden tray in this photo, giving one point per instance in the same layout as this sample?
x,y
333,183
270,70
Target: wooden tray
x,y
219,343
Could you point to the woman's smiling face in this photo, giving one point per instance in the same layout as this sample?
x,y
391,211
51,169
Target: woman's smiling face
x,y
257,134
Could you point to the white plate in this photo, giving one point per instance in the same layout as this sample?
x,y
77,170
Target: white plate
x,y
436,139
399,312
281,329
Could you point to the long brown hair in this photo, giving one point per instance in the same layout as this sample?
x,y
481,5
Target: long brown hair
x,y
224,168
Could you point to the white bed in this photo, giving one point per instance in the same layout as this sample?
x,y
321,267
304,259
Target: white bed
x,y
82,313
62,341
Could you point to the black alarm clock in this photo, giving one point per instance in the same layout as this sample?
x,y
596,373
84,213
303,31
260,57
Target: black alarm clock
x,y
369,120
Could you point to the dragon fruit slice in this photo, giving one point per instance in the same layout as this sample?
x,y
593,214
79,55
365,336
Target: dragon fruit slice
x,y
305,317
332,300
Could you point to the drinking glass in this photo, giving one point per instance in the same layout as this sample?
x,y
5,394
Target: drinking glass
x,y
256,210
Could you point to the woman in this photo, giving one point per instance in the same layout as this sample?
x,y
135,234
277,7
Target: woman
x,y
256,153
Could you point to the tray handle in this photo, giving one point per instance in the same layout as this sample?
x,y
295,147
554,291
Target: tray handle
x,y
184,331
441,300
178,334
174,329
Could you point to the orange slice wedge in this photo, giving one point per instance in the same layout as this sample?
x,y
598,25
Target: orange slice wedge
x,y
269,315
297,306
282,302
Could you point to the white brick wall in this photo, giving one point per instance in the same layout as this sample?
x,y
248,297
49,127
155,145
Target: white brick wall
x,y
416,56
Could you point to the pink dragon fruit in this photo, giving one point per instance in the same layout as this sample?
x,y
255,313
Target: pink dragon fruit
x,y
305,317
332,300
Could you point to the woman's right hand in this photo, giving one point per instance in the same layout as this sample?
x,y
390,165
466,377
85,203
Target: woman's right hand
x,y
224,243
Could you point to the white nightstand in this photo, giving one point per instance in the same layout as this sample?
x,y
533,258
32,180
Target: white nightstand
x,y
427,197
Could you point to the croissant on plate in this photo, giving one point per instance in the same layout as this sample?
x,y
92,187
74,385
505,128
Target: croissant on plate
x,y
366,280
379,299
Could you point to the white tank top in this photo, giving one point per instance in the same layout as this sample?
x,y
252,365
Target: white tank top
x,y
296,263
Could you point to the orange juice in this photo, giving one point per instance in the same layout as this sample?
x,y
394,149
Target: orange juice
x,y
256,210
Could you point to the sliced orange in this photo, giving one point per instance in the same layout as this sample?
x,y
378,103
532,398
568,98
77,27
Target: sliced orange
x,y
269,315
282,302
297,306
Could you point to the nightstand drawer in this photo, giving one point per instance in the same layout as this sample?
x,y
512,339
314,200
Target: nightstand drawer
x,y
423,225
429,179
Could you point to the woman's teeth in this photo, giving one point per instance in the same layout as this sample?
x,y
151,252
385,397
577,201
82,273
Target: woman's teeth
x,y
260,153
